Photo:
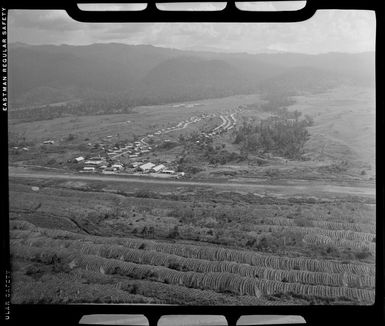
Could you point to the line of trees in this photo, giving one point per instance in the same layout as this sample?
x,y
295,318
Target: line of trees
x,y
276,100
47,112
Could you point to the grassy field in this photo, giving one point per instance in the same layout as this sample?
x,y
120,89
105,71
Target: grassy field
x,y
143,120
344,125
77,136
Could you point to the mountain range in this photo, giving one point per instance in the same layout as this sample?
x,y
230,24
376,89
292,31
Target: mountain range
x,y
145,74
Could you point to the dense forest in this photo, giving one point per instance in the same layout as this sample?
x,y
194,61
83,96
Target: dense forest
x,y
283,134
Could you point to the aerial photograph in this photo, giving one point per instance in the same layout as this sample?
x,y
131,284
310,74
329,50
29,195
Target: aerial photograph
x,y
192,163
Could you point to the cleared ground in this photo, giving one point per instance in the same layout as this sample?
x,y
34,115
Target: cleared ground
x,y
188,245
287,189
144,119
344,125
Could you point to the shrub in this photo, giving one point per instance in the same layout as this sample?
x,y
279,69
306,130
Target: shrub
x,y
174,233
144,193
51,161
70,137
302,221
191,169
363,254
272,172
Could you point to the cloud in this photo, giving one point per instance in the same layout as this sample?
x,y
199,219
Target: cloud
x,y
326,31
55,20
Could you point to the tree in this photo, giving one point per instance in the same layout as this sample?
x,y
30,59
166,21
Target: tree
x,y
309,120
181,138
296,114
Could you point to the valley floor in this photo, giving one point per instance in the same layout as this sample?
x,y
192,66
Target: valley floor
x,y
264,230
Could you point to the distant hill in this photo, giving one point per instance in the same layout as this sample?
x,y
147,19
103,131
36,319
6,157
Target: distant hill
x,y
192,77
32,68
147,74
359,67
304,79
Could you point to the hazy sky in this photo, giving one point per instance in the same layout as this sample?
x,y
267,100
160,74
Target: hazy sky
x,y
326,31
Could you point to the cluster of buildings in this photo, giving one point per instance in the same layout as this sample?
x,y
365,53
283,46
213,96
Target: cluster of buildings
x,y
186,105
132,150
22,148
96,164
105,166
181,125
155,168
228,122
122,158
130,153
128,157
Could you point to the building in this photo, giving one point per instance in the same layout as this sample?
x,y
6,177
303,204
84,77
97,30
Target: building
x,y
94,162
147,167
291,121
158,168
117,166
168,171
109,171
89,169
48,142
79,159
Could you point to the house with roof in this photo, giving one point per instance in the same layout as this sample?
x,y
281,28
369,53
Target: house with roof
x,y
109,171
168,171
158,168
147,167
79,159
117,166
94,161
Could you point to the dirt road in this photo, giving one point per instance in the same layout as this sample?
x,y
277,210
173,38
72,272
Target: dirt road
x,y
309,189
